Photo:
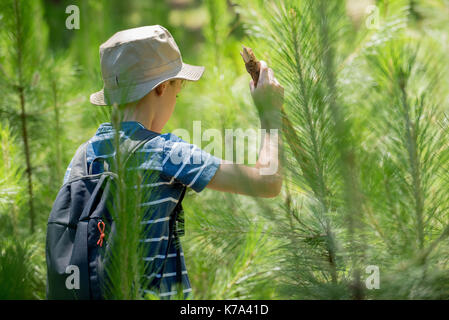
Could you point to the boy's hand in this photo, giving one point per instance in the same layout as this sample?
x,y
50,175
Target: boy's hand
x,y
264,179
268,97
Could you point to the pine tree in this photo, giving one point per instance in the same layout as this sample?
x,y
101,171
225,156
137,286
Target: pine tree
x,y
11,185
365,142
23,41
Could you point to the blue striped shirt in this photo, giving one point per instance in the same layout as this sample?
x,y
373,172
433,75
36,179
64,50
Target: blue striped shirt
x,y
176,164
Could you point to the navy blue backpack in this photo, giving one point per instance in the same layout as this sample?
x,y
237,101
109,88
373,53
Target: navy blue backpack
x,y
75,252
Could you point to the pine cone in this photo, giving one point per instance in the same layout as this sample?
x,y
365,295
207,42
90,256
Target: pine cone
x,y
251,63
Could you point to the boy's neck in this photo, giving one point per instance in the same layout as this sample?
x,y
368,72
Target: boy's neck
x,y
143,114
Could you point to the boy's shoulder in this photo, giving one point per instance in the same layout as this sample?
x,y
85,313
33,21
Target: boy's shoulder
x,y
164,140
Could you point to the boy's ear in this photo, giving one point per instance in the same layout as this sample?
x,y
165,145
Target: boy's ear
x,y
160,89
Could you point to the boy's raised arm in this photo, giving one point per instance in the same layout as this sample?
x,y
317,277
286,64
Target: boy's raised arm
x,y
264,179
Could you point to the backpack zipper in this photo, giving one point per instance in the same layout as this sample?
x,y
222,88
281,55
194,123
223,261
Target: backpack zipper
x,y
101,227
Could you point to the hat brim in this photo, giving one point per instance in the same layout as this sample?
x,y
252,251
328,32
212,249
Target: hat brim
x,y
106,97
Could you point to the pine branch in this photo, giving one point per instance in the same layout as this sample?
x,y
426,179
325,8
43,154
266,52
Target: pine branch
x,y
411,136
23,116
347,155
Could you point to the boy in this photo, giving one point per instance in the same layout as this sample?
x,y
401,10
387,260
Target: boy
x,y
142,70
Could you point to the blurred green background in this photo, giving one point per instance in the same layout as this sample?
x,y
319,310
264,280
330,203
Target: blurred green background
x,y
367,93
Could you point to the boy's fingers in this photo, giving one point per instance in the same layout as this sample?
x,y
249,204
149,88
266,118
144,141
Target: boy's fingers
x,y
263,77
270,75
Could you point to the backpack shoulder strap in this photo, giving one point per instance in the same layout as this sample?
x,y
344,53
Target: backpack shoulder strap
x,y
173,235
178,212
178,231
127,148
79,163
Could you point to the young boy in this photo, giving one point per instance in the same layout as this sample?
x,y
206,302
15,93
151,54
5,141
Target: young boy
x,y
142,70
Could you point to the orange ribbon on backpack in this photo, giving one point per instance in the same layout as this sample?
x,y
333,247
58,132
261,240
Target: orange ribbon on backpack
x,y
101,226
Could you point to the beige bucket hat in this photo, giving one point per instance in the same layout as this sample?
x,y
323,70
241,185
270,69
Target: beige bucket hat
x,y
135,61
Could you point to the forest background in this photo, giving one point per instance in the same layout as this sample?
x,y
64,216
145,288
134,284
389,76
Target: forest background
x,y
363,213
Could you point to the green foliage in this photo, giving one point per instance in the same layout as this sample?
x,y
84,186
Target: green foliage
x,y
355,145
11,185
21,50
229,249
21,270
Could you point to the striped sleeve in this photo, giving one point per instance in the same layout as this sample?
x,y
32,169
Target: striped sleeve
x,y
187,163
